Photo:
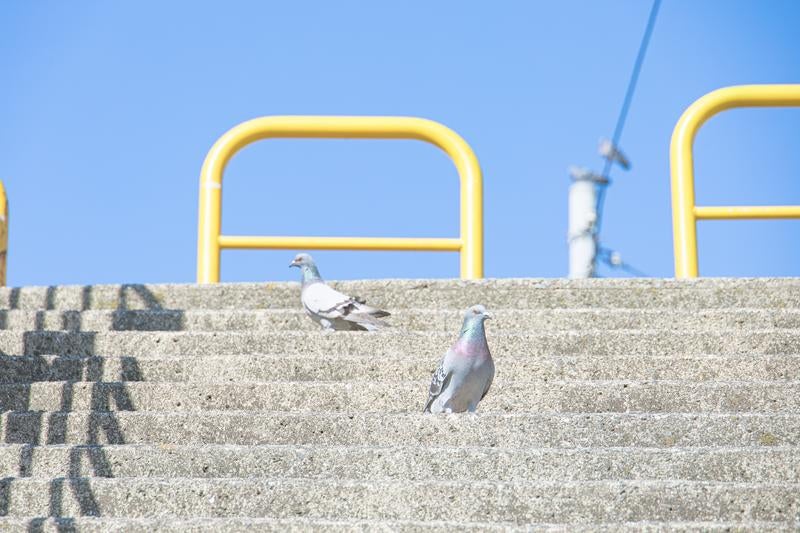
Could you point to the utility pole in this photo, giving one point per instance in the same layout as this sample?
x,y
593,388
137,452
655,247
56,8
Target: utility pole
x,y
588,189
586,196
582,234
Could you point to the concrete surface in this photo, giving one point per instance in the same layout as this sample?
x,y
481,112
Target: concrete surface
x,y
515,502
91,524
589,343
403,396
341,368
379,429
742,463
714,293
447,320
619,405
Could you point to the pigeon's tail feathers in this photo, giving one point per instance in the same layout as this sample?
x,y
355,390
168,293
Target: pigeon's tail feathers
x,y
364,308
429,403
364,315
373,312
367,321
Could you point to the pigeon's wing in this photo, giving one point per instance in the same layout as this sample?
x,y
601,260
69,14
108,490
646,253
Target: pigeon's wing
x,y
488,381
328,303
324,301
488,386
439,381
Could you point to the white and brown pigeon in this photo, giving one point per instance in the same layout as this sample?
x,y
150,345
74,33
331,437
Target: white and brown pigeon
x,y
330,308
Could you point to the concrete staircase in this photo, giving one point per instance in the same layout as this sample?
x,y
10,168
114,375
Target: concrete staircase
x,y
617,405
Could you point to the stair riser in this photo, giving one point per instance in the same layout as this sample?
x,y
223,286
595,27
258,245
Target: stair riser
x,y
564,397
407,463
294,319
432,294
521,503
659,343
380,429
247,368
86,524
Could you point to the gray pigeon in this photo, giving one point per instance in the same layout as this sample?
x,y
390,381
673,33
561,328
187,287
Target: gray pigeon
x,y
330,308
466,371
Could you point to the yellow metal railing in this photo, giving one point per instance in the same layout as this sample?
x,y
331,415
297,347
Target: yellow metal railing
x,y
684,212
3,234
210,242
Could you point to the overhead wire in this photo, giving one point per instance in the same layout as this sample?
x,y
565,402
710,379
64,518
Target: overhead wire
x,y
637,68
626,104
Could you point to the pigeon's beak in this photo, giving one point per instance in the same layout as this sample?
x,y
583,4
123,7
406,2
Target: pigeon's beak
x,y
488,316
294,264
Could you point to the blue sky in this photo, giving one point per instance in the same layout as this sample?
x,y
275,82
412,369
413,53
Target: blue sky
x,y
108,108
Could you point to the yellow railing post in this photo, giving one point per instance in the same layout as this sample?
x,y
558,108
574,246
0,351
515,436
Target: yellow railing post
x,y
210,242
3,234
684,211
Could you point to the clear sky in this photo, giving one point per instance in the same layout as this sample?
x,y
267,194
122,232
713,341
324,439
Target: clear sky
x,y
108,108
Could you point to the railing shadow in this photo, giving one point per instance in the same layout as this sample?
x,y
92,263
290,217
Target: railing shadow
x,y
70,356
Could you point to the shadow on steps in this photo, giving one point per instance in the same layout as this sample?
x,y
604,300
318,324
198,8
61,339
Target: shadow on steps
x,y
70,356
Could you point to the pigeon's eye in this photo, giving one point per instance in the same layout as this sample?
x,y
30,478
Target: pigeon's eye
x,y
475,311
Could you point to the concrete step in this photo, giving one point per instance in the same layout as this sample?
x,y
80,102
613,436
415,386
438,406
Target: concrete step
x,y
448,320
402,396
742,464
89,524
516,502
387,429
778,293
433,344
244,368
618,405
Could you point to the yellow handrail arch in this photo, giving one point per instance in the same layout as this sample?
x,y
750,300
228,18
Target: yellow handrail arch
x,y
684,211
210,242
3,234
